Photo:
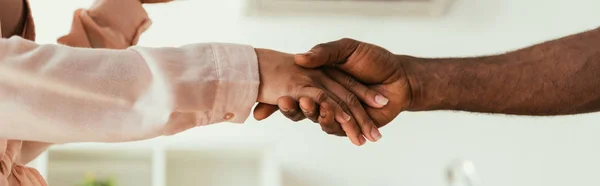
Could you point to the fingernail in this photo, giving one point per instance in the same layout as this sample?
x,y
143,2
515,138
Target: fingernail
x,y
285,109
381,100
322,113
346,117
376,134
306,53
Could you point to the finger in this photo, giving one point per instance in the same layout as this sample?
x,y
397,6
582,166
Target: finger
x,y
263,111
335,52
327,120
365,94
327,108
309,108
350,102
289,108
348,124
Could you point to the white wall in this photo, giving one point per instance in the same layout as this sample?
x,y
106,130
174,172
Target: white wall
x,y
415,148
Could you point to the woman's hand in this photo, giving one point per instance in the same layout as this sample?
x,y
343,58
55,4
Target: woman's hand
x,y
281,78
353,64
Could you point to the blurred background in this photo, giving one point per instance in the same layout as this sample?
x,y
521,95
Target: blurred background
x,y
416,149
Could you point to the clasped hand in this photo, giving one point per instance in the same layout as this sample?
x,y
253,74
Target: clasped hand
x,y
342,85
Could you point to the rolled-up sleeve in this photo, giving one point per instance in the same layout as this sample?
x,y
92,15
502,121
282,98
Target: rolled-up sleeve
x,y
58,94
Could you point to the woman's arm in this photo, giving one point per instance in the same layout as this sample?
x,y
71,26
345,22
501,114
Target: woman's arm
x,y
58,94
103,30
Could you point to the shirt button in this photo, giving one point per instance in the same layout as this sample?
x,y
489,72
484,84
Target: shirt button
x,y
229,116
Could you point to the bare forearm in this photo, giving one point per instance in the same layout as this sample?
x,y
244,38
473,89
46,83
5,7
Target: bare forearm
x,y
558,77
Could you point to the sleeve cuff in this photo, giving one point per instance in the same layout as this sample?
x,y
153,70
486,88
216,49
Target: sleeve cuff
x,y
238,82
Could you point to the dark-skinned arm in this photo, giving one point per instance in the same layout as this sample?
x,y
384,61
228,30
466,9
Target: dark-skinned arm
x,y
558,77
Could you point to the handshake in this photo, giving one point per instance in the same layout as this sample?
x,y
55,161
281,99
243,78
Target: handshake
x,y
349,87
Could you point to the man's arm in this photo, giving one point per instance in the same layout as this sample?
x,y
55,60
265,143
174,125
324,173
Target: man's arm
x,y
557,77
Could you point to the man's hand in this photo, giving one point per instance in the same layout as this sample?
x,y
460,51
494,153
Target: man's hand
x,y
556,77
366,64
355,64
280,77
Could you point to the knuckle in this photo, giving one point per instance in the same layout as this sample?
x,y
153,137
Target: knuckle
x,y
367,122
321,46
349,43
291,89
343,105
347,40
352,100
349,81
321,96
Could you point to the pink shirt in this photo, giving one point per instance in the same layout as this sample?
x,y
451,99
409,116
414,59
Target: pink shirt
x,y
60,94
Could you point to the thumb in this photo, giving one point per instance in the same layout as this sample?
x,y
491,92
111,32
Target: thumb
x,y
331,53
263,111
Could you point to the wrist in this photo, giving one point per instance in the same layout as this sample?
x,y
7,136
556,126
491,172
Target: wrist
x,y
265,69
261,85
428,89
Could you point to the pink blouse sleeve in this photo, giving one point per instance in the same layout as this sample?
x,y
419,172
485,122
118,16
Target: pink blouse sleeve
x,y
57,94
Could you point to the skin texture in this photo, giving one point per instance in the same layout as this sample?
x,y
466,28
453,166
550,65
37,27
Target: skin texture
x,y
557,77
376,103
279,77
367,71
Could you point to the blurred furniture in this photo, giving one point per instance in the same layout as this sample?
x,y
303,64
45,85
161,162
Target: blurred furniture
x,y
192,158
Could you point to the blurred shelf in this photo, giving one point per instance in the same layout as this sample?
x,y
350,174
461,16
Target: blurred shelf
x,y
213,168
70,167
159,166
